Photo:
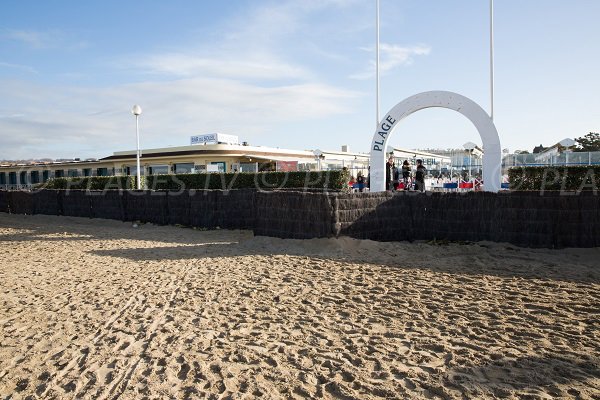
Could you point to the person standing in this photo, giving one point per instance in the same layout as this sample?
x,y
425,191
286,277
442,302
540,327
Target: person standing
x,y
420,176
360,182
405,173
389,172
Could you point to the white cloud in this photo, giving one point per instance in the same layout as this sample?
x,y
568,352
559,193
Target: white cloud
x,y
256,44
44,39
32,38
91,122
189,65
18,66
391,57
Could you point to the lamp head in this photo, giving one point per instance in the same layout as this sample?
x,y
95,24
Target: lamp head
x,y
136,110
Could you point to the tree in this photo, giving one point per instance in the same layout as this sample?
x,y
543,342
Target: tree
x,y
589,142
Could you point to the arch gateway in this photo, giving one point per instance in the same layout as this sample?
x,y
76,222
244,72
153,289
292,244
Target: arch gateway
x,y
492,161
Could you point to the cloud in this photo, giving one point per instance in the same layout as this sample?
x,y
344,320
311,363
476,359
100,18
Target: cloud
x,y
189,65
252,82
391,57
18,66
255,44
32,38
44,39
92,122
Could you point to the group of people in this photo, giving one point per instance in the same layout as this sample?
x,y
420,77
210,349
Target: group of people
x,y
396,178
402,178
360,183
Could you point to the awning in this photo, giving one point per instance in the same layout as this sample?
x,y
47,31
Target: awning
x,y
279,158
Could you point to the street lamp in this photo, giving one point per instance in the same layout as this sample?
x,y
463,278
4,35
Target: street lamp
x,y
137,110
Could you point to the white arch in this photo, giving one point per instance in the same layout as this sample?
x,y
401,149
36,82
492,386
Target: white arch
x,y
453,101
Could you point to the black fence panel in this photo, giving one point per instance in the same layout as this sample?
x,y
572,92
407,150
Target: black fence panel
x,y
179,208
47,202
20,202
146,206
75,203
157,209
234,209
294,215
108,204
551,220
4,201
202,209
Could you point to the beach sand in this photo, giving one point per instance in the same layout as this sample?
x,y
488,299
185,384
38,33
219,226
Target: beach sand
x,y
100,309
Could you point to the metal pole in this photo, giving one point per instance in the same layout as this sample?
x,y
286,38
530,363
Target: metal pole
x,y
377,70
492,58
137,136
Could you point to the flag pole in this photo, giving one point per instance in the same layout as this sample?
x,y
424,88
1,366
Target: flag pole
x,y
492,59
377,67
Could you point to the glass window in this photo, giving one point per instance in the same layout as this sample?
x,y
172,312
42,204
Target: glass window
x,y
158,169
184,168
101,171
248,167
132,170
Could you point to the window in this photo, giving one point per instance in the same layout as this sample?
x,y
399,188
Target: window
x,y
2,178
132,171
35,176
184,168
87,172
23,178
12,178
158,169
220,165
248,167
73,173
59,173
101,171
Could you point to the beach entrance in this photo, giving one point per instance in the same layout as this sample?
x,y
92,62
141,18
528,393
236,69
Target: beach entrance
x,y
453,101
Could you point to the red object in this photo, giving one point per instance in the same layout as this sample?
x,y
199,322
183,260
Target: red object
x,y
287,166
466,185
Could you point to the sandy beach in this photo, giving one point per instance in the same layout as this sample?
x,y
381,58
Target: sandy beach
x,y
101,310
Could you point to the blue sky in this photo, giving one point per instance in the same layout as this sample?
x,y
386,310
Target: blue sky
x,y
291,73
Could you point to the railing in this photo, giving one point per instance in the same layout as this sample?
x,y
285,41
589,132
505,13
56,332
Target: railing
x,y
16,187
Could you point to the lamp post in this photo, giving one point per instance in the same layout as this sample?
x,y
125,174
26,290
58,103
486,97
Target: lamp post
x,y
137,110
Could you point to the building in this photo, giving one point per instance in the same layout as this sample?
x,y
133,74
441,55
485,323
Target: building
x,y
466,162
436,164
198,158
560,154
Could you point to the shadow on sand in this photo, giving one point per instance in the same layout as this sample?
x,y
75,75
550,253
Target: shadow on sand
x,y
179,243
531,374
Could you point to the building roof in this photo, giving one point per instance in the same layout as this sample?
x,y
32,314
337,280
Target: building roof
x,y
212,150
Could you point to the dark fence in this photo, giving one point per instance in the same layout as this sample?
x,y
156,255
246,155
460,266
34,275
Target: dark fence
x,y
108,204
21,202
532,219
293,215
4,201
554,220
75,203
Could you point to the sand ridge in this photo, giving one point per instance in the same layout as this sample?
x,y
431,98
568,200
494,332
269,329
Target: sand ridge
x,y
98,309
